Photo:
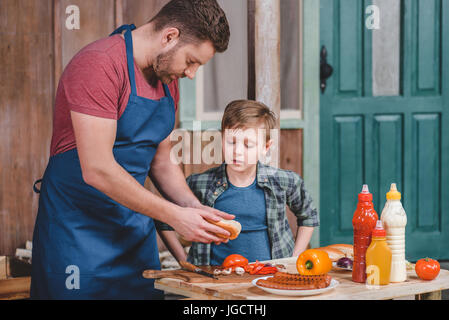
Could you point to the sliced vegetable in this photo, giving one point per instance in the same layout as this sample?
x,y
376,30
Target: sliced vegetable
x,y
313,262
257,268
260,268
427,269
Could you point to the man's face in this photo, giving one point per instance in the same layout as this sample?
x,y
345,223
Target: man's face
x,y
182,61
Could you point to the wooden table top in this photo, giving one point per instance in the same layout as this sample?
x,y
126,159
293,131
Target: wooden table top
x,y
347,289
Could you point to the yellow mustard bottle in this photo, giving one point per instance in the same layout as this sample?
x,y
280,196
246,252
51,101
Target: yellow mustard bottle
x,y
378,257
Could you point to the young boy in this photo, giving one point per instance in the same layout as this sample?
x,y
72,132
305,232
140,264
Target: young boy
x,y
255,193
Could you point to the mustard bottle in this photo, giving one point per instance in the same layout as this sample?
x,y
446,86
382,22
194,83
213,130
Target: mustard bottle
x,y
378,258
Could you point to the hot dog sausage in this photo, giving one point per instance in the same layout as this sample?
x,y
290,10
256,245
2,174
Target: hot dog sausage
x,y
287,281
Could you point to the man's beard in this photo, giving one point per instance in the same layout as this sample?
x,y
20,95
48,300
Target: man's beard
x,y
160,70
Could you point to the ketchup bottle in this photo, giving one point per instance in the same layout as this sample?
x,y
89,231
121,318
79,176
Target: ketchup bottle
x,y
363,222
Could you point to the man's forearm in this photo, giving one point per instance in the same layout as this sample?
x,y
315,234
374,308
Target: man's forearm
x,y
119,185
170,181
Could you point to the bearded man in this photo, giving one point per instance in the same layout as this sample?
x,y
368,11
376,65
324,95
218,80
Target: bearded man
x,y
114,111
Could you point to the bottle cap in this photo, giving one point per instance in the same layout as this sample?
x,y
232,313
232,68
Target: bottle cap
x,y
379,230
393,194
365,195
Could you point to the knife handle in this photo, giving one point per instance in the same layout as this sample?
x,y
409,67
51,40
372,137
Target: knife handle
x,y
188,266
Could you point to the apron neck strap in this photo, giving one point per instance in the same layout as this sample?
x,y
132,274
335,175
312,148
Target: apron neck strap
x,y
129,54
167,91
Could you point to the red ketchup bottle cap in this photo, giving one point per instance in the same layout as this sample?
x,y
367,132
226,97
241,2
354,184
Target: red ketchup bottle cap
x,y
365,195
379,230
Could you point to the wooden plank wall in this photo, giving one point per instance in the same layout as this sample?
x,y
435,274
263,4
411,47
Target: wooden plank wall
x,y
26,97
35,46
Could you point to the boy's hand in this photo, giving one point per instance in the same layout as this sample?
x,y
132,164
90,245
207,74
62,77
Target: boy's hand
x,y
190,223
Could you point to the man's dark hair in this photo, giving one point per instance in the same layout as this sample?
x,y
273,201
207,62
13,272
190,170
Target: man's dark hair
x,y
196,20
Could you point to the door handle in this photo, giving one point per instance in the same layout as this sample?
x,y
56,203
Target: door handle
x,y
326,69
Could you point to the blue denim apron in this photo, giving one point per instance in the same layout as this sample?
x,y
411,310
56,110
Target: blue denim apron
x,y
86,245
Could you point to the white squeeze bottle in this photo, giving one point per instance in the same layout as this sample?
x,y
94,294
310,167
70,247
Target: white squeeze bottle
x,y
394,220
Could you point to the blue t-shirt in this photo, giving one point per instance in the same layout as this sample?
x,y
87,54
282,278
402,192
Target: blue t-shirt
x,y
248,206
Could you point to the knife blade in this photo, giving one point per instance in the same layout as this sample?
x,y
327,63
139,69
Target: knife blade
x,y
192,268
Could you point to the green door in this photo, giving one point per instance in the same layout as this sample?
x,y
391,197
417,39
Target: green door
x,y
384,120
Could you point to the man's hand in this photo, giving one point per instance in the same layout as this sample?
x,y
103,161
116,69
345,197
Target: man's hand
x,y
215,212
170,181
191,224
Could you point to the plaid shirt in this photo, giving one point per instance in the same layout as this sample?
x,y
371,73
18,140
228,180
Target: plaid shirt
x,y
281,188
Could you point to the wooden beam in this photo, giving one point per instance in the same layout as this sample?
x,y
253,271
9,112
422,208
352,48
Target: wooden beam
x,y
251,54
267,53
310,29
57,45
267,49
118,12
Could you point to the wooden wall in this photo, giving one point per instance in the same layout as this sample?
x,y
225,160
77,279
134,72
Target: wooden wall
x,y
35,46
26,97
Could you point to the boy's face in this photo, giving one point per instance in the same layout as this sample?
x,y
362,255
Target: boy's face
x,y
244,147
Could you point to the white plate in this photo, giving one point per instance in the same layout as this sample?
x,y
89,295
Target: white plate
x,y
334,265
312,292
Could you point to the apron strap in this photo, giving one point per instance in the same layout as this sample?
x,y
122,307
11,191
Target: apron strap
x,y
167,91
36,190
123,28
129,54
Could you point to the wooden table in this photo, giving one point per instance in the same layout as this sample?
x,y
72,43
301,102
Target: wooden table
x,y
346,290
15,288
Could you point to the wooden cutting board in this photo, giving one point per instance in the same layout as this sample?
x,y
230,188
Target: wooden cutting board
x,y
192,277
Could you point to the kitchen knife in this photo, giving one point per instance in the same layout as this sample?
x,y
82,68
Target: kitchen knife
x,y
190,267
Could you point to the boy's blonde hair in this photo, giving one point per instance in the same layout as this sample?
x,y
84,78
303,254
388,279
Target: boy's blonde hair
x,y
246,113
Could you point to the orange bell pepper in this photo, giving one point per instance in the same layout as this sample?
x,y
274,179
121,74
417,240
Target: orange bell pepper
x,y
313,262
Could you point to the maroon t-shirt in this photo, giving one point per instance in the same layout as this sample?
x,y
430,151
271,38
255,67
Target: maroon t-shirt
x,y
96,82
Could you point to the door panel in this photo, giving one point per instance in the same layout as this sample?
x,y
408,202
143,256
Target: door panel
x,y
427,46
379,140
348,144
349,52
387,156
426,165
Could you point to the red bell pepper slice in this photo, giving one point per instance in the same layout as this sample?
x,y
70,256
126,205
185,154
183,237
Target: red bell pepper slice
x,y
257,268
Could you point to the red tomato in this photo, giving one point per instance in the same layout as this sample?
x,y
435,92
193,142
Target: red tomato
x,y
427,269
234,260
